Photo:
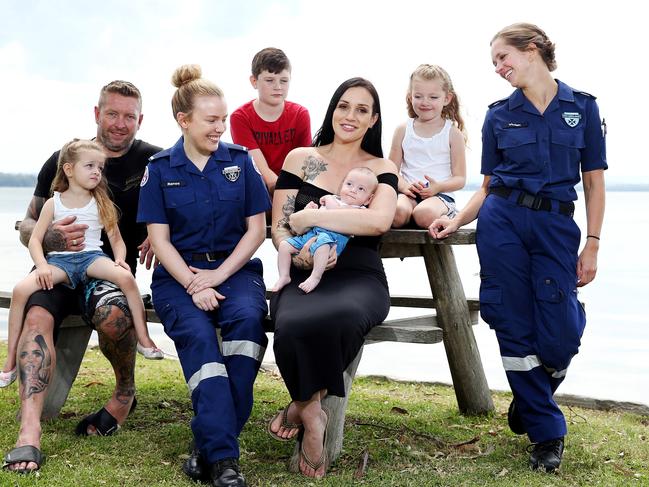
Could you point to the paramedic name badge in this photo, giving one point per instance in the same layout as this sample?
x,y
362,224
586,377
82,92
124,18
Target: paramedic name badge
x,y
232,173
571,118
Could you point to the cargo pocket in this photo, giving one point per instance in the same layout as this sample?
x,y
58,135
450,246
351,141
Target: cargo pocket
x,y
491,300
574,327
257,293
552,309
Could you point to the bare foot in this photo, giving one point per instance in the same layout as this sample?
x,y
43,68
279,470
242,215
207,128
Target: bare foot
x,y
281,282
31,436
118,408
312,452
310,284
291,417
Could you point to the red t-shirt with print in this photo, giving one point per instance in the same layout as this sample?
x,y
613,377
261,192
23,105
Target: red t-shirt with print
x,y
275,139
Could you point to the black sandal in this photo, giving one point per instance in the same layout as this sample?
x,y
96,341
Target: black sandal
x,y
27,453
104,422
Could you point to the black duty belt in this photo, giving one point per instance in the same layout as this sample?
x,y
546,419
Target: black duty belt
x,y
521,198
208,256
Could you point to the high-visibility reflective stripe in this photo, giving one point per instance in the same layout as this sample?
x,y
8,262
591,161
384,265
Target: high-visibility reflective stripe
x,y
521,364
243,347
212,369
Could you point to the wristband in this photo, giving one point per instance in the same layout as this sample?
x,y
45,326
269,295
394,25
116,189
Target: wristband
x,y
593,236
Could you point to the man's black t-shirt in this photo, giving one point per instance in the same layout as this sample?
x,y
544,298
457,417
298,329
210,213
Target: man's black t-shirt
x,y
123,175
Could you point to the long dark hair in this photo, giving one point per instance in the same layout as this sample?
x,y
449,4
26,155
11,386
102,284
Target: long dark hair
x,y
372,140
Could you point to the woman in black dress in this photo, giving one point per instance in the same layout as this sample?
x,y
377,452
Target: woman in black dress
x,y
318,334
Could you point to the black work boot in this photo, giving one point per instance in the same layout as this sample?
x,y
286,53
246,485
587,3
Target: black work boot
x,y
226,473
514,419
546,456
195,467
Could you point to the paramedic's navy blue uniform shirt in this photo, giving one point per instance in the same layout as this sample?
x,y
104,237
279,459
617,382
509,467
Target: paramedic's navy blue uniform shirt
x,y
206,210
543,154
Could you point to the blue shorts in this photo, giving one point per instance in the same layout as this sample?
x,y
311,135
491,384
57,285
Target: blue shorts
x,y
323,237
448,201
75,265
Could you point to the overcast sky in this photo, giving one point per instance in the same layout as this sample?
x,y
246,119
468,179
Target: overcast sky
x,y
56,55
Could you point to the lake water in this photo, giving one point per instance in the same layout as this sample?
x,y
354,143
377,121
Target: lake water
x,y
612,363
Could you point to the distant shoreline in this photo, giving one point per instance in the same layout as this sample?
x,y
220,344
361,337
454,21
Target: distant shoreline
x,y
17,180
29,181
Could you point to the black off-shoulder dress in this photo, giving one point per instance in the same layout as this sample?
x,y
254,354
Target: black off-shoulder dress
x,y
317,335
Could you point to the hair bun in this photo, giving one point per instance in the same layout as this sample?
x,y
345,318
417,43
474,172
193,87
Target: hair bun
x,y
186,74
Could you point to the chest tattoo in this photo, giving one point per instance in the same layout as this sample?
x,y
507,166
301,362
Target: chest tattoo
x,y
312,167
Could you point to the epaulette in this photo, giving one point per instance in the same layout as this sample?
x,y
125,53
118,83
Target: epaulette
x,y
585,94
160,155
238,147
496,103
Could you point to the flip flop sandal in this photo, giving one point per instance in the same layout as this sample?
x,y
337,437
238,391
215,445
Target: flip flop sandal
x,y
285,424
324,459
104,422
27,453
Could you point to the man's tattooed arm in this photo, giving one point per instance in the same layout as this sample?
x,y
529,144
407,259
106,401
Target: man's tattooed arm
x,y
312,167
53,239
28,223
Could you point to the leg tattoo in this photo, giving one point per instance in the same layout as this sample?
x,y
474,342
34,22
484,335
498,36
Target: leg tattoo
x,y
35,364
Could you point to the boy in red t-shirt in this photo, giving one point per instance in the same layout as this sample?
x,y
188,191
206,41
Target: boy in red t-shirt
x,y
269,126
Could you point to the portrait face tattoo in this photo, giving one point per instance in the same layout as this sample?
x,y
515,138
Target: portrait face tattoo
x,y
35,361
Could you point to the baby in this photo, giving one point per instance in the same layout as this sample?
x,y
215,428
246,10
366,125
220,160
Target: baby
x,y
357,191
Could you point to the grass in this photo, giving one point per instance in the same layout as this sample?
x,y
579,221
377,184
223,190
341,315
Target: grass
x,y
412,433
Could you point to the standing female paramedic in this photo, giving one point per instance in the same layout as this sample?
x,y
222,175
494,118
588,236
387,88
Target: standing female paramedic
x,y
534,145
204,204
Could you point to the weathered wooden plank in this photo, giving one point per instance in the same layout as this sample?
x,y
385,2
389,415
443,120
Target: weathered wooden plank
x,y
421,329
5,299
469,381
418,329
416,236
70,322
419,237
401,301
71,345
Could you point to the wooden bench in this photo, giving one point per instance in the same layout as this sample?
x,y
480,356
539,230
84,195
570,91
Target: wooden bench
x,y
451,324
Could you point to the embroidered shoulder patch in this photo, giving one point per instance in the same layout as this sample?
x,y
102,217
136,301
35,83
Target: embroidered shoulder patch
x,y
145,176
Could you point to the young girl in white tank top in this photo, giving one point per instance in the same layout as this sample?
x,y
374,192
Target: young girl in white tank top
x,y
81,191
429,149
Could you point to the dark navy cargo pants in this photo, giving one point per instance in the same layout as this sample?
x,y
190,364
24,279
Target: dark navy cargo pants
x,y
528,295
220,379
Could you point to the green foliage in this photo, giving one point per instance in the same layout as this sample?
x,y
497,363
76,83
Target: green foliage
x,y
412,433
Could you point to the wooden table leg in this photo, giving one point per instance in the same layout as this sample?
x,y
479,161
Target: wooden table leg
x,y
469,381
